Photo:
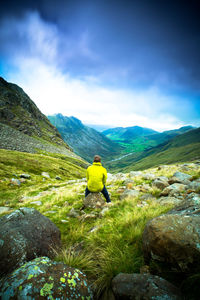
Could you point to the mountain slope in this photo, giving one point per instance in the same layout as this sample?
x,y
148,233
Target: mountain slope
x,y
84,140
137,139
23,126
181,148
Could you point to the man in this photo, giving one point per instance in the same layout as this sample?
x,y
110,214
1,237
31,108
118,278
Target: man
x,y
96,179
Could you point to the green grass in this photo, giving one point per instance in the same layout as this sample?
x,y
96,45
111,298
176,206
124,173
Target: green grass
x,y
116,243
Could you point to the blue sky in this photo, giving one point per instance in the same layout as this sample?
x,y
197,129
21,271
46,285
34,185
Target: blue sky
x,y
117,63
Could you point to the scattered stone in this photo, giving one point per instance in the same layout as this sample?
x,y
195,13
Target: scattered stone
x,y
64,221
160,183
38,203
58,178
45,279
85,217
50,212
142,204
104,211
174,189
73,213
169,201
4,209
194,186
144,188
149,176
128,194
26,176
179,177
26,234
94,200
135,173
143,286
45,174
147,197
15,181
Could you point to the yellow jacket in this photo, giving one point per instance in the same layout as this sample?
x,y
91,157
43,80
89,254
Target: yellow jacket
x,y
96,177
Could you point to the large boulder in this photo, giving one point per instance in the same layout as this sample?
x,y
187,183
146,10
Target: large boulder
x,y
129,194
174,238
179,177
160,183
143,286
42,278
24,235
94,200
174,189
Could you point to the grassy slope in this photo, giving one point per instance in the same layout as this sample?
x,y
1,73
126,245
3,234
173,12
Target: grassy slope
x,y
182,148
114,247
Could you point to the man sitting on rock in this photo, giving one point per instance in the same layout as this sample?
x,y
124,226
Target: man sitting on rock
x,y
96,179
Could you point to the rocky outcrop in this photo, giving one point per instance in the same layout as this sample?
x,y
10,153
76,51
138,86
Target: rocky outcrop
x,y
174,238
143,286
42,278
94,200
24,235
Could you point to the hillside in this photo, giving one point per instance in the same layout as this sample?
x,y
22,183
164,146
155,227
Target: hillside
x,y
85,141
23,126
184,147
137,139
106,240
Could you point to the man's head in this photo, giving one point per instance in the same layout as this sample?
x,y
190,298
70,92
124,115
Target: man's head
x,y
97,158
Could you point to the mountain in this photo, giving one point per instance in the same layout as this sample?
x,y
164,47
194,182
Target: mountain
x,y
181,148
22,125
137,139
84,140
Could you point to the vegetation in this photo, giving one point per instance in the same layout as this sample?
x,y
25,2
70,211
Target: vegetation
x,y
100,245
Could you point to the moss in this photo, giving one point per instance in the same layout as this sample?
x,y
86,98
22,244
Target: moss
x,y
46,290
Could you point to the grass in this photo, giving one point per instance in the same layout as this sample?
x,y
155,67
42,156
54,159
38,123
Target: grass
x,y
102,246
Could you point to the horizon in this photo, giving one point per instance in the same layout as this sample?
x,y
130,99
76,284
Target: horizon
x,y
106,62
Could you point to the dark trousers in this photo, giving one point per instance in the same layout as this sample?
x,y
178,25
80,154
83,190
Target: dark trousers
x,y
104,192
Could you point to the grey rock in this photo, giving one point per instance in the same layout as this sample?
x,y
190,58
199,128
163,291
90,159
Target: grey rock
x,y
174,189
26,234
45,279
73,213
4,209
58,178
128,194
194,186
45,174
135,173
179,177
160,184
143,286
94,200
169,201
26,176
149,176
15,181
38,203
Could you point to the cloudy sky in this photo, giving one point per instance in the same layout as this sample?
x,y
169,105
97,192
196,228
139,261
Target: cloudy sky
x,y
111,62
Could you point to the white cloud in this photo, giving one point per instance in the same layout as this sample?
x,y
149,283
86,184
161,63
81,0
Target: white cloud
x,y
37,62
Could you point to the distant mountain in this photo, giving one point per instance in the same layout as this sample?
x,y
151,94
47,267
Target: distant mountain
x,y
22,125
181,148
85,141
99,128
137,139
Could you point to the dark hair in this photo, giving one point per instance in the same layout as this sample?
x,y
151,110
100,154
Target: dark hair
x,y
97,158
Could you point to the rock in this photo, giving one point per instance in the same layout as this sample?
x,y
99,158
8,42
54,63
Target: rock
x,y
88,217
73,213
179,177
174,239
38,203
4,209
194,186
135,173
94,200
58,178
143,188
128,194
149,176
143,286
15,181
173,189
26,234
189,206
45,279
147,197
45,174
160,183
169,201
104,211
26,176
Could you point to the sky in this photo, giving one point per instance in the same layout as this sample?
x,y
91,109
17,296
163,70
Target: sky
x,y
106,62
